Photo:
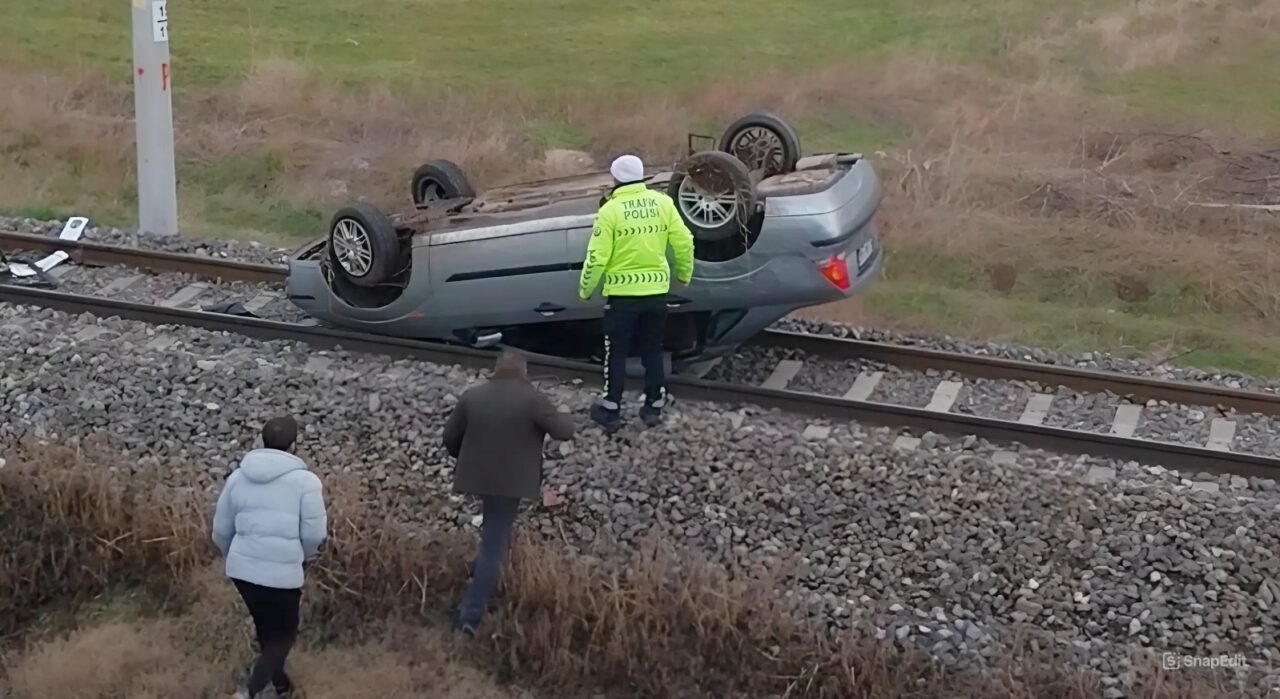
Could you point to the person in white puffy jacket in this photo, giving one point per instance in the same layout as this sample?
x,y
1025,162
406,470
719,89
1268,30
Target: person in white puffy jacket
x,y
269,520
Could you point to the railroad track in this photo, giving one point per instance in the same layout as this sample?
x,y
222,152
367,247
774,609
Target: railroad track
x,y
781,386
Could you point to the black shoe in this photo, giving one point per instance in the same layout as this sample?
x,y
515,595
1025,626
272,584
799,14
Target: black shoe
x,y
652,416
610,420
468,630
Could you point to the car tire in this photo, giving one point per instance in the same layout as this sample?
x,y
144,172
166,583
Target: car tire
x,y
764,142
714,194
363,245
439,179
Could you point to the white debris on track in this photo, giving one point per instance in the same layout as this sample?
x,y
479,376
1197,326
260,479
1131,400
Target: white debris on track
x,y
72,231
214,247
942,547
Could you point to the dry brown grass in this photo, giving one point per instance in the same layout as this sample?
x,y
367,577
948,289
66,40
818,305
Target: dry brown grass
x,y
157,658
1150,33
1041,179
133,659
664,625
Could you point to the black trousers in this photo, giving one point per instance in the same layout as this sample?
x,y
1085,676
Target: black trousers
x,y
275,618
638,322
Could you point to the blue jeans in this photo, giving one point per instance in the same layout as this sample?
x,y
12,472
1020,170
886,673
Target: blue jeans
x,y
495,535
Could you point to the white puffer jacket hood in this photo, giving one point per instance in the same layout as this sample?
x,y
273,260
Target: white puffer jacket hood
x,y
270,517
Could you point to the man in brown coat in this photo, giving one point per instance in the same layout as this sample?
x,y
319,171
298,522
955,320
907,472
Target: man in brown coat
x,y
496,433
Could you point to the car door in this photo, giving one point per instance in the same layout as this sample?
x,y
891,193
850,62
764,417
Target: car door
x,y
491,280
576,240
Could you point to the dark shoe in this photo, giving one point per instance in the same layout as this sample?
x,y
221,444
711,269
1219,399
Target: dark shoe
x,y
651,415
466,629
610,420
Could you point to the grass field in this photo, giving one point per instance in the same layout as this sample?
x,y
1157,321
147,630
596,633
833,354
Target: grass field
x,y
1066,144
576,45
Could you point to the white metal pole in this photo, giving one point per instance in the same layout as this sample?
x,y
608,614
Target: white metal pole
x,y
153,115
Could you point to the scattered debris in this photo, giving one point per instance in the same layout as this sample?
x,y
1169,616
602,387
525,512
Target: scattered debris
x,y
231,308
73,229
37,273
1254,207
551,498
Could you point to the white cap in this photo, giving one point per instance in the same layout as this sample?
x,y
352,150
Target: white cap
x,y
627,169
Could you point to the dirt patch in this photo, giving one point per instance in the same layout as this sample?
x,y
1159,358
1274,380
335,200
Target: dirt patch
x,y
559,162
1207,166
1247,178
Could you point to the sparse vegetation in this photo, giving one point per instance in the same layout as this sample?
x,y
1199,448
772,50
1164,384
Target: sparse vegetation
x,y
1072,145
141,609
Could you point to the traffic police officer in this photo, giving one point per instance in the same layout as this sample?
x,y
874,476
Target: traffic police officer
x,y
628,250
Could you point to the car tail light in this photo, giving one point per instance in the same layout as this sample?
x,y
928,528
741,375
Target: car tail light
x,y
836,272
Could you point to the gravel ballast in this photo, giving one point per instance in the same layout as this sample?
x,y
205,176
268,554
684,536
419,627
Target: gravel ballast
x,y
951,547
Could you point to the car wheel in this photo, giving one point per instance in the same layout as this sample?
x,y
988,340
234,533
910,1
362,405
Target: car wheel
x,y
715,195
764,142
439,179
363,245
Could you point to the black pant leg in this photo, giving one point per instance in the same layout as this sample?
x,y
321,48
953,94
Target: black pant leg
x,y
619,328
286,635
249,594
652,331
275,616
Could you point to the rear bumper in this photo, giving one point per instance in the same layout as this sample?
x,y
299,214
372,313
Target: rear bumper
x,y
820,292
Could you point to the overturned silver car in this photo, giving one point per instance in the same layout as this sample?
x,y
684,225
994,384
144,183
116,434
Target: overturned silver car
x,y
773,232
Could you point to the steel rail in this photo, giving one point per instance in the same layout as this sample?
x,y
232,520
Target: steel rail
x,y
826,346
1176,456
978,366
97,254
